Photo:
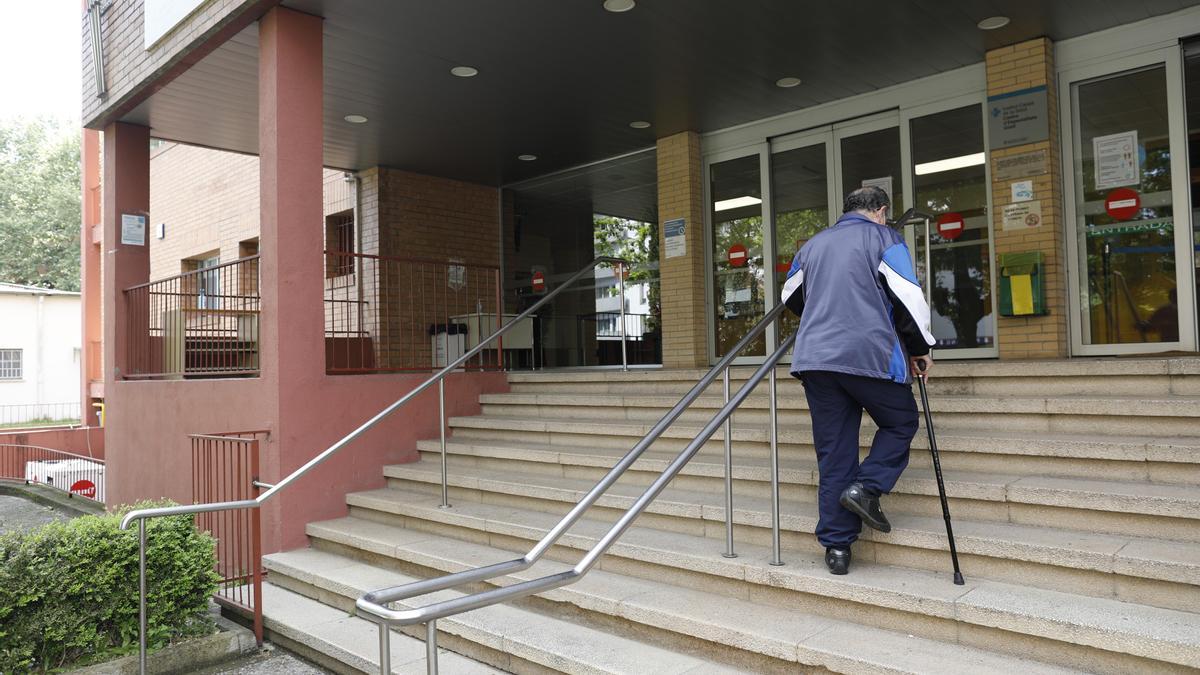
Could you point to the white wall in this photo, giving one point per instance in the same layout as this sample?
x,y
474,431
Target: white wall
x,y
47,329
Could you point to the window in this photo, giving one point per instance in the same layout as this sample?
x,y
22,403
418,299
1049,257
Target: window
x,y
209,284
339,244
11,364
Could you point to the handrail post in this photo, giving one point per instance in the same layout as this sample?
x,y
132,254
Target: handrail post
x,y
385,648
774,426
442,430
621,282
142,596
729,552
431,654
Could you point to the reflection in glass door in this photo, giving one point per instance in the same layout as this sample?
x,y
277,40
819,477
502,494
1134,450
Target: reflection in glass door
x,y
738,282
1124,213
950,181
872,158
1191,75
800,196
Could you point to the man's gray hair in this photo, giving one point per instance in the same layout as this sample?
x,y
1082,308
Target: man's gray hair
x,y
866,199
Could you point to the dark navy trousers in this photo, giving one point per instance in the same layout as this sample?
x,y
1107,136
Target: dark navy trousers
x,y
836,402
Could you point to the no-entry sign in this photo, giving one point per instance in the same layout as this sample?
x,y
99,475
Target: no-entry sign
x,y
950,225
737,255
1122,203
84,488
538,281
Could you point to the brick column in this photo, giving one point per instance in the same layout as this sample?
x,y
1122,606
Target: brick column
x,y
1013,68
681,195
126,191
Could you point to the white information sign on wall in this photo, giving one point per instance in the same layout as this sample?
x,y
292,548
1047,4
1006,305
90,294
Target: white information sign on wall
x,y
1022,191
675,243
884,183
162,16
1116,157
1023,215
133,229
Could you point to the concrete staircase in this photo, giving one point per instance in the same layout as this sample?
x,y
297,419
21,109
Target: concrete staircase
x,y
1074,485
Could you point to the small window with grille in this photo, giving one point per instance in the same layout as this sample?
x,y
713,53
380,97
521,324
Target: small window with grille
x,y
339,244
11,364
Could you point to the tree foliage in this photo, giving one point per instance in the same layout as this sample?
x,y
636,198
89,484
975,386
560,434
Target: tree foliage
x,y
39,204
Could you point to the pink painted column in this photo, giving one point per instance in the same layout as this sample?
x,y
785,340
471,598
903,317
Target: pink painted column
x,y
91,375
126,192
291,243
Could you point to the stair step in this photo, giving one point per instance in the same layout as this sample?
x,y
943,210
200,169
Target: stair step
x,y
1068,445
1136,556
349,640
1120,499
1165,635
507,630
783,634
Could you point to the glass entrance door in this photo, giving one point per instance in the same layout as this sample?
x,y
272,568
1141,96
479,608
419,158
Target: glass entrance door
x,y
1132,240
801,198
738,276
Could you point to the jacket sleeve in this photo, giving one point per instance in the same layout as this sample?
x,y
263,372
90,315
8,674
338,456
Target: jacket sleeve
x,y
910,312
793,288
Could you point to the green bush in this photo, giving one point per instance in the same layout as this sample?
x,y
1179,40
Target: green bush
x,y
69,590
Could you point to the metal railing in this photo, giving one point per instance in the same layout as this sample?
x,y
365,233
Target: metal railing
x,y
140,516
403,315
199,323
33,414
74,474
375,604
225,468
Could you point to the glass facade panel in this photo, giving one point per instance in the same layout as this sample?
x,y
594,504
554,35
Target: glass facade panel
x,y
738,262
873,157
800,192
951,184
1125,229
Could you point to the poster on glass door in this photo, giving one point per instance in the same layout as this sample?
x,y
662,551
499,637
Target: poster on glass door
x,y
1116,160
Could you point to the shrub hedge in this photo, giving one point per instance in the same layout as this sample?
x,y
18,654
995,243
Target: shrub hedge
x,y
69,590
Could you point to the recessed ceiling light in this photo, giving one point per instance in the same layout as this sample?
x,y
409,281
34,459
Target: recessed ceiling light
x,y
787,82
464,71
355,119
640,124
526,158
993,22
619,5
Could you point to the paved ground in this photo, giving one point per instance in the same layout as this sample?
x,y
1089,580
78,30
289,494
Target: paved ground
x,y
17,513
273,662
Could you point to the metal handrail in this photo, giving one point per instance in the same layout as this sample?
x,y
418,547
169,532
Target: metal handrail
x,y
141,515
375,603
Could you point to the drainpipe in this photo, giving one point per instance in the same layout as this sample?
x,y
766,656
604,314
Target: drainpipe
x,y
39,381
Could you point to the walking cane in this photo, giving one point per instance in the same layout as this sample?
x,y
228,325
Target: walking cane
x,y
937,470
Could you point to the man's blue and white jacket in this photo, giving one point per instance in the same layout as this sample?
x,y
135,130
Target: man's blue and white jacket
x,y
861,309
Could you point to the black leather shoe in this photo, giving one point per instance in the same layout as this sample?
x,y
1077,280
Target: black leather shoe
x,y
866,506
838,560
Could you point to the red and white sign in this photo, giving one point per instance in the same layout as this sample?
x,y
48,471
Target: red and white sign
x,y
737,255
84,488
783,264
950,225
1122,203
538,281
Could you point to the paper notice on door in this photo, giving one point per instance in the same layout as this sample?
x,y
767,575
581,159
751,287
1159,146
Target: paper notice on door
x,y
1116,158
1022,294
884,183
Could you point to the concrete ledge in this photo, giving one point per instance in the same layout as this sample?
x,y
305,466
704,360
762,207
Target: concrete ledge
x,y
229,642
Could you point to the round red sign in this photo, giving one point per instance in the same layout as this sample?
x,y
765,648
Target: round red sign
x,y
783,264
1122,203
950,225
538,282
84,488
737,255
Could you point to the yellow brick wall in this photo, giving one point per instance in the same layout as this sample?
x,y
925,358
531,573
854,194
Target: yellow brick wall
x,y
681,195
1013,68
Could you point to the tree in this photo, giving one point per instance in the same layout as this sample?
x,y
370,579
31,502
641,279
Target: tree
x,y
39,204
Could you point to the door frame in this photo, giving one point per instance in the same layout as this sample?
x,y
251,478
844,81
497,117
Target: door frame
x,y
1171,59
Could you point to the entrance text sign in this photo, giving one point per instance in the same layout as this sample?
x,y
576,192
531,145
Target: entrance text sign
x,y
1116,158
1031,163
674,244
133,229
1018,117
1023,215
